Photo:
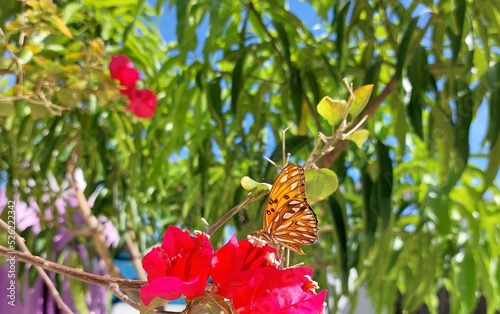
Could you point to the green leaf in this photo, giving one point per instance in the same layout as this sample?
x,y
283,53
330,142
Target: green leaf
x,y
340,27
26,56
332,110
465,108
414,109
361,98
297,92
283,36
399,124
494,103
457,26
404,47
340,230
6,108
370,211
437,208
384,184
443,137
67,98
320,183
493,166
182,10
251,185
60,25
108,3
70,10
313,86
214,100
237,82
467,283
359,137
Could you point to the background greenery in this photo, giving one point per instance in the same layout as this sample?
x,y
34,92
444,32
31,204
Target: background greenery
x,y
418,207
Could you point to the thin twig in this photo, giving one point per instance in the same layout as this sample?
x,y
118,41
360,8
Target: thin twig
x,y
368,112
135,255
115,288
98,238
57,297
103,281
250,198
116,285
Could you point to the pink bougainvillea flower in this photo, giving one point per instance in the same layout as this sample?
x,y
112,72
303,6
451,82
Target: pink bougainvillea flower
x,y
142,102
280,291
235,263
122,69
179,267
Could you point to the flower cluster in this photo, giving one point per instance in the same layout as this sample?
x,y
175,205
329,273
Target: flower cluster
x,y
245,275
142,101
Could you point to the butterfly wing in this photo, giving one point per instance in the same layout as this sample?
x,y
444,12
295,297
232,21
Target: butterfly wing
x,y
288,218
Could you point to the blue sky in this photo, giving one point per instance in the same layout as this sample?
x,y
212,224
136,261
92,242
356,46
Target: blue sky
x,y
307,14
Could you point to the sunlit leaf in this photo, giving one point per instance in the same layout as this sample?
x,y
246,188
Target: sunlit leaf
x,y
359,137
361,98
251,185
320,183
332,110
60,25
6,108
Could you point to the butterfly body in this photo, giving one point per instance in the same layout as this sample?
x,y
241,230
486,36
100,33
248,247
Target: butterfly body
x,y
288,219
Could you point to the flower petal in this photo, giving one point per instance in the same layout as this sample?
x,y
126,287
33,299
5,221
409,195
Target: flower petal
x,y
168,288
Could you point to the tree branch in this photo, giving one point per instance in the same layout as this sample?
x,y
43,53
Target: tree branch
x,y
97,235
250,198
57,297
329,159
103,281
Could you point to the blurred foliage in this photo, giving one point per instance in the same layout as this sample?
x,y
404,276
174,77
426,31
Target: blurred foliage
x,y
412,214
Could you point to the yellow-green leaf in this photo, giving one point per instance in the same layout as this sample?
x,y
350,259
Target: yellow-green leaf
x,y
25,56
361,97
320,184
39,111
67,98
332,110
359,137
250,185
59,24
6,108
35,4
48,6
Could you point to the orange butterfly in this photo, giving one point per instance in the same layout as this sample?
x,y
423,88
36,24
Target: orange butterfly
x,y
288,219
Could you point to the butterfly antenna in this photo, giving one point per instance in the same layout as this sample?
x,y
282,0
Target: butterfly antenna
x,y
250,227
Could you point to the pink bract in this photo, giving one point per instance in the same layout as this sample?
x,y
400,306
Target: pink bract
x,y
235,263
279,291
142,102
180,267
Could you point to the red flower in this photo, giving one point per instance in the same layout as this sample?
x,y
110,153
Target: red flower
x,y
142,102
279,291
180,267
122,69
236,263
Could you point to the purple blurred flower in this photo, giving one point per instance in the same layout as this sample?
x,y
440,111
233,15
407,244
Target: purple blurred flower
x,y
28,214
